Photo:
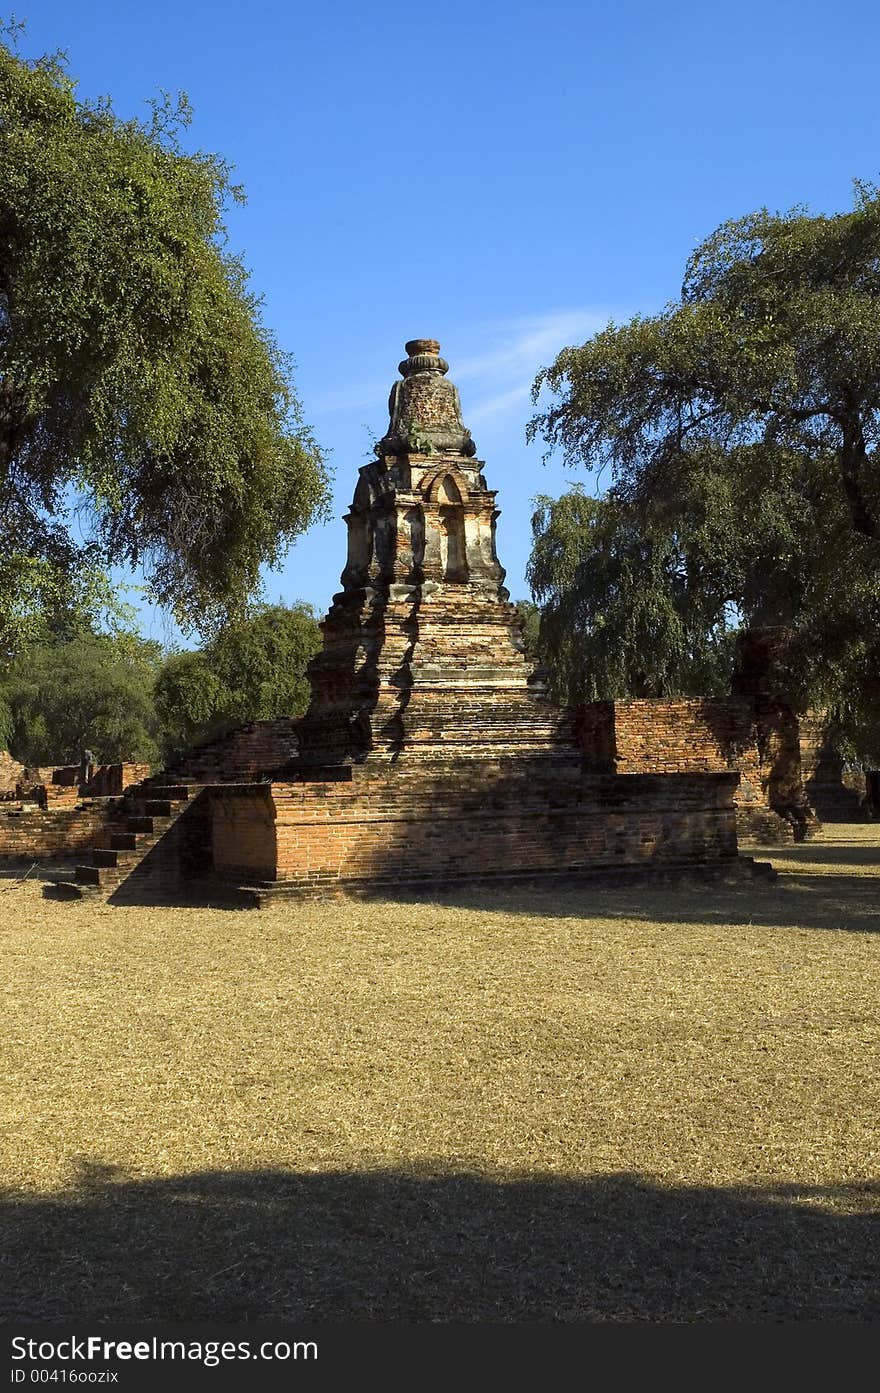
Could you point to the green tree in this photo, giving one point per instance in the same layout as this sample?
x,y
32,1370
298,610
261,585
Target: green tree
x,y
623,609
253,670
38,597
648,599
189,702
530,615
91,690
775,340
740,426
139,388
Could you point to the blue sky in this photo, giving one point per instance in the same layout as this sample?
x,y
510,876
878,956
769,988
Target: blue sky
x,y
505,178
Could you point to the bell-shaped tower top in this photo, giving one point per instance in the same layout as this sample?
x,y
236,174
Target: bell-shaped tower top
x,y
425,408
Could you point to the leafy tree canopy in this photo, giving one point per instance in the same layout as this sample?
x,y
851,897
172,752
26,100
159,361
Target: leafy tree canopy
x,y
621,613
83,690
253,670
530,615
138,386
644,600
775,340
744,493
39,600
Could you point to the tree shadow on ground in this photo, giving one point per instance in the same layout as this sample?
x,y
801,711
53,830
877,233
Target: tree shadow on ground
x,y
840,903
828,852
829,902
433,1247
798,898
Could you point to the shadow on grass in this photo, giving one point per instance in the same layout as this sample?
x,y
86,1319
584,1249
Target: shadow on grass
x,y
839,902
799,898
428,1247
828,852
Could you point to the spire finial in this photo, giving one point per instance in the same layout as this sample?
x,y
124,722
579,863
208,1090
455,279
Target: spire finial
x,y
424,356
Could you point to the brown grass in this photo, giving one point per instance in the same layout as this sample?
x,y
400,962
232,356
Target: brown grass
x,y
595,1104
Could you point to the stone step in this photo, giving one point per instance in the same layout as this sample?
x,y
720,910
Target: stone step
x,y
104,856
152,807
90,875
123,841
147,824
137,821
109,856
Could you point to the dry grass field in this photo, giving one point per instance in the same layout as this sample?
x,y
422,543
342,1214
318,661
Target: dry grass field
x,y
595,1104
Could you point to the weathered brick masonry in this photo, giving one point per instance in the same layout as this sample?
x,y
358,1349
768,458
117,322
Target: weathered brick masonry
x,y
53,820
251,751
687,736
395,827
29,832
10,774
107,781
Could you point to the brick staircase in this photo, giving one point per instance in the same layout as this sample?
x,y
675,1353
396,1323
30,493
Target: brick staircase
x,y
139,851
136,825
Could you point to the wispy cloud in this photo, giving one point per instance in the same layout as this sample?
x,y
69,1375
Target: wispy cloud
x,y
496,380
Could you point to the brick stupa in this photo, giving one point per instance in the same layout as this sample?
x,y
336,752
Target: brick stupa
x,y
423,652
428,754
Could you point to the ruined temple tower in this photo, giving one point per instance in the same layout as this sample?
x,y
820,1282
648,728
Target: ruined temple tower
x,y
423,653
429,756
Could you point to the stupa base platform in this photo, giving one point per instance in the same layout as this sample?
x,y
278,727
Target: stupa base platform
x,y
409,827
263,895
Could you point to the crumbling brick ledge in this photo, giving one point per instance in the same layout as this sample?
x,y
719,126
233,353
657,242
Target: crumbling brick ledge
x,y
262,895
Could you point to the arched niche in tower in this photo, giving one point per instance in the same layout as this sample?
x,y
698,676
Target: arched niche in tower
x,y
445,491
360,548
415,521
453,556
445,486
448,492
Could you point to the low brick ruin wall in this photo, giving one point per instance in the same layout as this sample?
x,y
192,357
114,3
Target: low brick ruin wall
x,y
34,834
60,787
58,828
107,781
477,821
685,736
10,774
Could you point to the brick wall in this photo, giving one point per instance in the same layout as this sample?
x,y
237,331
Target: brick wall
x,y
672,736
686,736
57,826
107,781
61,788
476,819
32,833
10,773
249,752
243,832
112,779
